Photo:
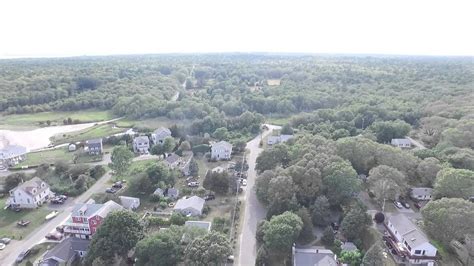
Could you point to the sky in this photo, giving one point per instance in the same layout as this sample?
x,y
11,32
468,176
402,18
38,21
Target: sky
x,y
51,28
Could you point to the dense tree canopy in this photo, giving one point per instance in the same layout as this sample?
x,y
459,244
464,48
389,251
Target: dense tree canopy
x,y
454,183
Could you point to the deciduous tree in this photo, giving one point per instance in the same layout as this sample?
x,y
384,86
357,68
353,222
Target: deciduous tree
x,y
121,159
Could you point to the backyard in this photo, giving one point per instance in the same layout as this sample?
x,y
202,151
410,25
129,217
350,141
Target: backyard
x,y
47,156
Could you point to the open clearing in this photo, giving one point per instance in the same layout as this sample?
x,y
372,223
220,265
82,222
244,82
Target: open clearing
x,y
48,156
97,131
28,121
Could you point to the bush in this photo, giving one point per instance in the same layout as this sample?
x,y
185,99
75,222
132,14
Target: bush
x,y
177,219
155,198
157,221
203,148
163,204
97,172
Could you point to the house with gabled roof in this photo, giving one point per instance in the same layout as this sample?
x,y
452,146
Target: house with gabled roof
x,y
67,252
221,150
141,144
421,193
30,194
401,143
86,218
12,155
313,256
94,146
191,206
159,135
409,241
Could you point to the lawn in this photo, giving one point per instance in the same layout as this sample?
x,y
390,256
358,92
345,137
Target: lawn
x,y
151,123
56,118
279,121
9,218
97,131
48,156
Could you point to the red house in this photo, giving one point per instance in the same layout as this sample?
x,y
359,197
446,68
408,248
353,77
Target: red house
x,y
86,218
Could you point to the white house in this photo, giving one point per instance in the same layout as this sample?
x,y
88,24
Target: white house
x,y
401,143
190,207
30,194
141,144
421,193
221,150
159,136
410,240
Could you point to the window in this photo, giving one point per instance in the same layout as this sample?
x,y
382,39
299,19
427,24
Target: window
x,y
417,252
28,200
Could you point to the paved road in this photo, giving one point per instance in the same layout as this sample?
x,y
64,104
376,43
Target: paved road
x,y
254,210
9,254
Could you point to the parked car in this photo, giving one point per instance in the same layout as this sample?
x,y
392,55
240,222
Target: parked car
x,y
57,200
117,184
111,190
23,255
5,240
210,197
54,236
189,178
60,228
193,184
334,226
23,223
63,197
398,204
244,182
2,246
405,204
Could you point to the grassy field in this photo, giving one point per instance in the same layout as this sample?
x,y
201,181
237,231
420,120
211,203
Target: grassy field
x,y
148,123
49,156
97,131
9,218
56,118
279,121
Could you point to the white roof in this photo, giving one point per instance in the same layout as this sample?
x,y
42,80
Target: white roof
x,y
108,207
193,202
408,230
129,202
223,144
162,132
141,139
218,169
401,141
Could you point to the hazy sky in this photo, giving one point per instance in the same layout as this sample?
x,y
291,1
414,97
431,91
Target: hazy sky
x,y
96,27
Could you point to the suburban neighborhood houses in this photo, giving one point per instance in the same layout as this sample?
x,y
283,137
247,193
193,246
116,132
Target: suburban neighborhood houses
x,y
30,194
141,144
94,146
159,135
192,206
87,217
12,155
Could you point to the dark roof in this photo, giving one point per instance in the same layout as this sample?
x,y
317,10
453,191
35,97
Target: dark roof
x,y
172,158
67,248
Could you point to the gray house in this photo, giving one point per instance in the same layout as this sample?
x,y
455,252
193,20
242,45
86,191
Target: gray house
x,y
159,136
421,193
313,256
159,192
141,144
190,207
12,155
172,193
94,146
221,150
67,252
278,139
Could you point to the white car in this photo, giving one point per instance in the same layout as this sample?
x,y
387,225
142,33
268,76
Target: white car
x,y
193,184
244,182
398,204
2,246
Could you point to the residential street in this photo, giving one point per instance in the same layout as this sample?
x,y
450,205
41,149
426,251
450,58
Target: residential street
x,y
9,254
254,210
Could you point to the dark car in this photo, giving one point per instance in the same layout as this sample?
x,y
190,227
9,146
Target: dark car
x,y
54,236
23,255
117,185
60,228
111,190
334,226
405,204
210,197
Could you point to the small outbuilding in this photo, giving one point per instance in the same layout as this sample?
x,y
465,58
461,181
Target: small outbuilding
x,y
129,203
